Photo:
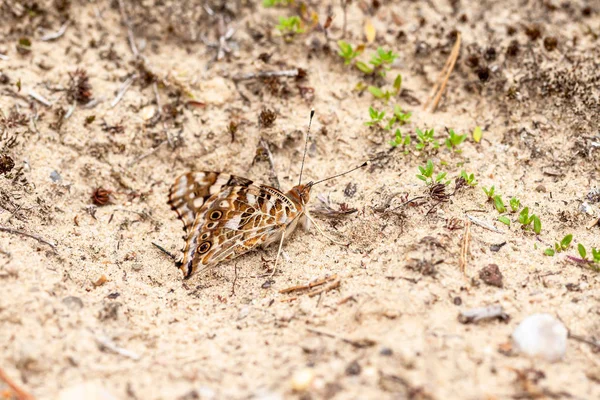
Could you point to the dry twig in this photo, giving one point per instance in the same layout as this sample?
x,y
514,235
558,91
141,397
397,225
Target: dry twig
x,y
442,80
31,235
124,87
483,224
266,74
464,248
21,394
55,35
360,344
105,343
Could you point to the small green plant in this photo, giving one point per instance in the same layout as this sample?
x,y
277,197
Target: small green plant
x,y
386,95
425,139
399,140
559,247
347,52
527,220
515,204
426,174
504,219
489,192
454,140
398,117
291,25
469,179
594,262
380,62
499,204
376,117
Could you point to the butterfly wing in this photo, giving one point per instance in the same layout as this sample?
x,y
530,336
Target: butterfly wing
x,y
236,218
190,191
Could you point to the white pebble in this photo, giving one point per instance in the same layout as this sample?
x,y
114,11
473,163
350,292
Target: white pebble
x,y
541,335
302,379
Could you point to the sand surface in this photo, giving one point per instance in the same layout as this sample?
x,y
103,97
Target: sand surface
x,y
106,309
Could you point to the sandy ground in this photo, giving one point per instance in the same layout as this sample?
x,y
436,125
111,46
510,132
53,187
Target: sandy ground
x,y
107,310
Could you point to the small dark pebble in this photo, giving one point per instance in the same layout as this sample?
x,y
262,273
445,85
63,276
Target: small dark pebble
x,y
113,296
540,189
491,275
573,287
472,61
386,351
533,31
457,301
496,247
513,48
483,74
353,368
267,284
490,54
350,190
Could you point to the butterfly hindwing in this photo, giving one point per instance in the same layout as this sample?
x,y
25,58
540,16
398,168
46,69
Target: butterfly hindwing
x,y
191,191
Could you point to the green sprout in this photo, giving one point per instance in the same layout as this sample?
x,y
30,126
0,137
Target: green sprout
x,y
515,204
399,140
454,140
376,117
426,174
504,219
399,117
560,247
469,179
290,26
594,262
526,221
489,192
499,204
380,61
347,53
425,139
273,3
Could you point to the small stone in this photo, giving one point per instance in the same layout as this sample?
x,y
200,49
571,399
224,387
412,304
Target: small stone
x,y
386,351
540,189
353,368
541,335
302,379
101,281
74,303
491,275
55,176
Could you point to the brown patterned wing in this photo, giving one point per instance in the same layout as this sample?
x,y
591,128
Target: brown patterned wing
x,y
234,221
190,191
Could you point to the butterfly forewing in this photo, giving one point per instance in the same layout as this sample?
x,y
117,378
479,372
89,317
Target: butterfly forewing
x,y
232,217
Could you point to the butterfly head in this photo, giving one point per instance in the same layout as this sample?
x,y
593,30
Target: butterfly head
x,y
300,194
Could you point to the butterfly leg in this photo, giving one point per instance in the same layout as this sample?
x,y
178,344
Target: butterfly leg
x,y
323,233
278,253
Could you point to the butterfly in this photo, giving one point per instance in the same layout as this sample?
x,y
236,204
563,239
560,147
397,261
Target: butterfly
x,y
225,216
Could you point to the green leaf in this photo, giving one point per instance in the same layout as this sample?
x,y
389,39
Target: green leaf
x,y
421,177
499,204
477,134
524,216
549,252
375,91
504,220
566,241
582,251
398,83
537,224
363,67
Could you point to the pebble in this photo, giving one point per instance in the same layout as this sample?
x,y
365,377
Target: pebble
x,y
302,379
73,302
541,336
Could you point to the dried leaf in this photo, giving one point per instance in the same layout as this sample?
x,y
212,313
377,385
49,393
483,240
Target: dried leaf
x,y
370,31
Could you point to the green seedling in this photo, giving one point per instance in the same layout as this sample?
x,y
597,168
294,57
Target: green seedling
x,y
559,247
489,192
594,262
425,139
290,26
273,3
504,219
515,204
376,117
398,117
426,174
401,141
469,179
379,61
454,140
380,94
347,52
499,204
527,220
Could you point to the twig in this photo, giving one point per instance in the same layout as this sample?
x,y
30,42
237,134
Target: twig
x,y
55,35
595,344
266,74
310,285
147,154
167,252
123,90
127,23
21,394
442,80
407,202
360,344
36,96
105,343
464,248
484,224
333,285
70,110
31,235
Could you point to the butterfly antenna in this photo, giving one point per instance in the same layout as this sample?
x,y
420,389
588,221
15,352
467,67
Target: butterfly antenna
x,y
312,113
343,173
